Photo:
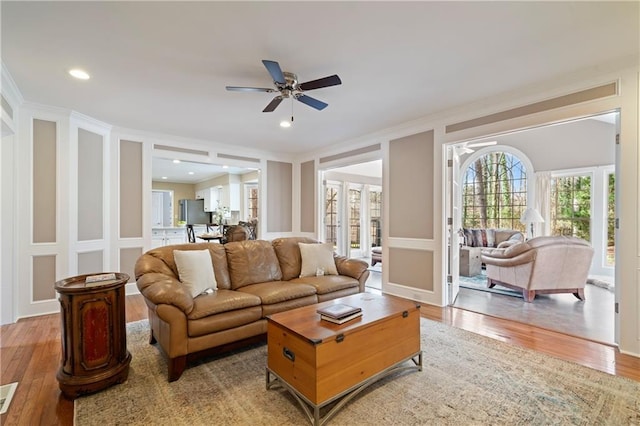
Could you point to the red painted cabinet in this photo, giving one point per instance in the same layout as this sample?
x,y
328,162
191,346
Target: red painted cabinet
x,y
93,335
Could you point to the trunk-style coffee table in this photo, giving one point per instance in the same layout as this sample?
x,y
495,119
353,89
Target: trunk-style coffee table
x,y
321,363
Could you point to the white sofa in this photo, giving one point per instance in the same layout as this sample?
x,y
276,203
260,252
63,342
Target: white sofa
x,y
540,265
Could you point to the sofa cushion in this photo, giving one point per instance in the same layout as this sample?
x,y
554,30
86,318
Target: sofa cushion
x,y
161,260
251,262
489,237
328,283
288,252
511,235
278,291
223,321
195,270
317,257
221,301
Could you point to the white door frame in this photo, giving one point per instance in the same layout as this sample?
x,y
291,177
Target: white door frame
x,y
454,223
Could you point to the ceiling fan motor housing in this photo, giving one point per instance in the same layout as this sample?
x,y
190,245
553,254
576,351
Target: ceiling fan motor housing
x,y
291,84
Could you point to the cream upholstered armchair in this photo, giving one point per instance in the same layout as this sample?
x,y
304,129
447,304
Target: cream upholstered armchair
x,y
540,265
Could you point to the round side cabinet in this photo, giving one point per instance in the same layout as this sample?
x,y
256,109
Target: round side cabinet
x,y
93,334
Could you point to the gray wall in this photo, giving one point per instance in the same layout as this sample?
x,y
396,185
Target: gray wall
x,y
90,186
279,190
307,196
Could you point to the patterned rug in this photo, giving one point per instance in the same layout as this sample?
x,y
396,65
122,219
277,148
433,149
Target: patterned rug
x,y
479,282
467,379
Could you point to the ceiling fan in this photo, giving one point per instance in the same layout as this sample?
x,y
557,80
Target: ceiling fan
x,y
465,147
287,84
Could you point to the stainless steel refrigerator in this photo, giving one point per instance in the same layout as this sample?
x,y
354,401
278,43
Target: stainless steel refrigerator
x,y
192,212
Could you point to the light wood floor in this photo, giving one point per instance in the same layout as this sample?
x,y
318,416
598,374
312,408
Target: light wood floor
x,y
30,355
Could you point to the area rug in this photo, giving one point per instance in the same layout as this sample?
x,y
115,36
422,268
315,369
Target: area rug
x,y
467,379
479,282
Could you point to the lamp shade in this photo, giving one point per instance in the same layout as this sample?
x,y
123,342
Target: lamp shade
x,y
531,215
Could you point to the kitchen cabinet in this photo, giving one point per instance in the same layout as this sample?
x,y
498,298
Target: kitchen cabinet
x,y
230,196
167,236
211,199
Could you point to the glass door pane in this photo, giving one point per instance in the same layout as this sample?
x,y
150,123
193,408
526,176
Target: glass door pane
x,y
331,215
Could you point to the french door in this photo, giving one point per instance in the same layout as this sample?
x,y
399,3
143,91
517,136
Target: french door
x,y
454,223
334,217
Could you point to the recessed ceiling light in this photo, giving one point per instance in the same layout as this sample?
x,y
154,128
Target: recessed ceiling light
x,y
176,161
79,74
191,173
225,167
285,123
164,177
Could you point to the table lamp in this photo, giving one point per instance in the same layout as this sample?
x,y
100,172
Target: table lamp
x,y
531,216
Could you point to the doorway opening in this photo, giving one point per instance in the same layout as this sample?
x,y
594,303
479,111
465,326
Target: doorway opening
x,y
566,172
352,214
162,208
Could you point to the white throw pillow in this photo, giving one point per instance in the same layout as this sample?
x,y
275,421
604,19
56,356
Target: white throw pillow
x,y
315,257
195,270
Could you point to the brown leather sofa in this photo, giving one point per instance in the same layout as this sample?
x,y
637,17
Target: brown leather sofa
x,y
255,278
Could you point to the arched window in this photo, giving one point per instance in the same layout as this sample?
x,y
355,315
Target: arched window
x,y
494,191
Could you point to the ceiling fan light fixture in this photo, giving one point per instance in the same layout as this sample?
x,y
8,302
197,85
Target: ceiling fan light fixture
x,y
285,124
79,74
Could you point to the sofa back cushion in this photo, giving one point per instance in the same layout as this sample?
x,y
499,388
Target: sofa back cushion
x,y
479,237
508,235
288,253
489,237
162,260
252,262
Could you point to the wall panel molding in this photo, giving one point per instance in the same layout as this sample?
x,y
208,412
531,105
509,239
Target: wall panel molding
x,y
279,190
131,194
603,91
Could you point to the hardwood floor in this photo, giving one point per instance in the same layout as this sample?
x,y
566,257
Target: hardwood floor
x,y
30,355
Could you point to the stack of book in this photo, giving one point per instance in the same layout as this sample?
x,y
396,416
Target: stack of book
x,y
339,313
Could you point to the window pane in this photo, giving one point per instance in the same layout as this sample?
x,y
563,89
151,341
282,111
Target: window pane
x,y
354,218
375,209
253,202
494,192
611,220
571,206
331,215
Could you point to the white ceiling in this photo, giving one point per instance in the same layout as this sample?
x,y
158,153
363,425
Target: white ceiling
x,y
163,66
164,169
368,169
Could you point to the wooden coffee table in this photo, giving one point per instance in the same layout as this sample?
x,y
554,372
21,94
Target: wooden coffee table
x,y
320,363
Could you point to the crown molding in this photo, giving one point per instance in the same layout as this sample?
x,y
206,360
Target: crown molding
x,y
10,89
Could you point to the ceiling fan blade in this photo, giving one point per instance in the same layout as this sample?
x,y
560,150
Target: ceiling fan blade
x,y
332,80
312,102
274,69
249,89
273,104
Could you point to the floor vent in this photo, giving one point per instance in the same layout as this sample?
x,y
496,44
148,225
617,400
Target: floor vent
x,y
6,393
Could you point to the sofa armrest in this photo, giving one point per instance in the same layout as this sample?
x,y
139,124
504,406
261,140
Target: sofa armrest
x,y
353,268
160,289
515,254
506,244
